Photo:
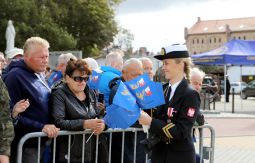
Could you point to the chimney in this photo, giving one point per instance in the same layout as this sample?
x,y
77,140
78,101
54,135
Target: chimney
x,y
186,33
228,32
198,19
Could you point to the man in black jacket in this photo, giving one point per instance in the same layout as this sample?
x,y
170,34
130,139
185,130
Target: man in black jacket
x,y
228,86
132,68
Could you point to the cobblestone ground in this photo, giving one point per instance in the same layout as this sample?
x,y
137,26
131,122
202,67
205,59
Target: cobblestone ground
x,y
234,149
235,139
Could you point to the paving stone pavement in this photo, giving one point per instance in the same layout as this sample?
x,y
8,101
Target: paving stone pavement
x,y
234,149
235,132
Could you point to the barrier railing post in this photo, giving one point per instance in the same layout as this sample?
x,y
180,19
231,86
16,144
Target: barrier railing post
x,y
122,147
201,144
233,100
202,149
110,148
134,159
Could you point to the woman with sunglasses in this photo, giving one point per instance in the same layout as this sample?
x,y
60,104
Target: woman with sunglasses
x,y
74,108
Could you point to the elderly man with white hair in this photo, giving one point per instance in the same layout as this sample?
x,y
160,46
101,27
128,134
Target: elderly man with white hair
x,y
92,63
112,69
147,66
57,74
25,80
196,78
132,68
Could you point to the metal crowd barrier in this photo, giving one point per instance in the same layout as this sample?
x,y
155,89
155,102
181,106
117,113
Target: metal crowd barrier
x,y
39,135
206,152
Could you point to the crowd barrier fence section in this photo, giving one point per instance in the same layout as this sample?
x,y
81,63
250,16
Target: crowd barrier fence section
x,y
203,151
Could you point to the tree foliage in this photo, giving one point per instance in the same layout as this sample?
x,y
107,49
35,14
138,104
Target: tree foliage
x,y
123,40
67,24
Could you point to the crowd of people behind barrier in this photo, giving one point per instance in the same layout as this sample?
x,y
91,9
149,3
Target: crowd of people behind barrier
x,y
62,100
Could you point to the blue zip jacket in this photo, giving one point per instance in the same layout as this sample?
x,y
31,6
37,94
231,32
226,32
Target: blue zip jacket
x,y
108,74
22,83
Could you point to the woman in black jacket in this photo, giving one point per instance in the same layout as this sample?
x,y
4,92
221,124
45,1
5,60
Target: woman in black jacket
x,y
170,130
74,108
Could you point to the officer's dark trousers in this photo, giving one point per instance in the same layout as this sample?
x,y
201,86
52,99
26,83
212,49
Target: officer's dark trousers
x,y
163,154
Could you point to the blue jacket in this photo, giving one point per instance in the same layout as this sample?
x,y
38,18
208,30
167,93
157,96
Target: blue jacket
x,y
108,74
54,77
22,83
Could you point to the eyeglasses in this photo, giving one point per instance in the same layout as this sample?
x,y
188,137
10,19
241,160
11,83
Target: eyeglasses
x,y
80,78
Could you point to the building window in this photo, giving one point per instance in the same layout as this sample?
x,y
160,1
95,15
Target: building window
x,y
219,40
202,41
210,41
198,41
239,37
193,41
214,40
244,37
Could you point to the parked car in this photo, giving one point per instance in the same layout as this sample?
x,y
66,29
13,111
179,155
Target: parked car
x,y
249,91
210,89
209,85
238,86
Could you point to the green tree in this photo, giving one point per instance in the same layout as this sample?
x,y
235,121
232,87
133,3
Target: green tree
x,y
91,22
33,18
86,25
123,40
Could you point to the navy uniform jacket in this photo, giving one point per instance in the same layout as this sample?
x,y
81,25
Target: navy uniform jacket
x,y
173,125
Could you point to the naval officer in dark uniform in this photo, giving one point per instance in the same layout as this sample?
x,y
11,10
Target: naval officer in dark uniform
x,y
171,139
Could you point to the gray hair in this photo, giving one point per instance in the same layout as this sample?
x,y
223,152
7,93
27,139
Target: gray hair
x,y
132,61
35,41
64,58
92,63
196,71
113,56
145,59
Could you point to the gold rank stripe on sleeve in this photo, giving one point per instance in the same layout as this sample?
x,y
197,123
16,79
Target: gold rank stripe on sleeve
x,y
166,130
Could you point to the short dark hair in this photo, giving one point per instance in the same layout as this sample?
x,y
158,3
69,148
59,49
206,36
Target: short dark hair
x,y
79,65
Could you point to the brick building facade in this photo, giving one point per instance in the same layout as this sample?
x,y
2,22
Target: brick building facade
x,y
206,35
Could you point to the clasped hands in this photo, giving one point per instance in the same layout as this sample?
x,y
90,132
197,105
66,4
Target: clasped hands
x,y
97,125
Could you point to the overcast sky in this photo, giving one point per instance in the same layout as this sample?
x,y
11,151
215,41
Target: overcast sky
x,y
157,23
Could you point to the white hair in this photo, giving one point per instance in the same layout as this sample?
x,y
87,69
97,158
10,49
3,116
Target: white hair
x,y
92,63
145,59
196,71
132,61
113,56
35,41
64,58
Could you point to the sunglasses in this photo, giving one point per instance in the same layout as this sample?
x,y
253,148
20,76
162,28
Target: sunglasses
x,y
80,78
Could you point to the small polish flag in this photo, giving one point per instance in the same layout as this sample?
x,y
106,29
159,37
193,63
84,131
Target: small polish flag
x,y
148,91
170,112
95,78
141,82
191,112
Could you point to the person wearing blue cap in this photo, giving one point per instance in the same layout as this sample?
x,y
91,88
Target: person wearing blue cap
x,y
170,129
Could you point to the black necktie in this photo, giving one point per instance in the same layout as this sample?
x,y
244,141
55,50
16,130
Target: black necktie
x,y
168,93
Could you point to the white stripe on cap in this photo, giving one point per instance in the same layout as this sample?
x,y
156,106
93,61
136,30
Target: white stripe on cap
x,y
176,47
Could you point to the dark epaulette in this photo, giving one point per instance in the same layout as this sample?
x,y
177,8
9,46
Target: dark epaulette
x,y
113,82
57,84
